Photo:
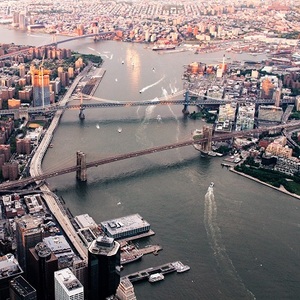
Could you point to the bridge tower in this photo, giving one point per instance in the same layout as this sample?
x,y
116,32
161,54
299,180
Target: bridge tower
x,y
186,103
81,114
54,39
81,164
22,113
207,133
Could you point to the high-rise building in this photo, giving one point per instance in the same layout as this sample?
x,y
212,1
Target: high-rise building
x,y
80,270
277,97
22,70
10,269
67,286
40,82
103,268
42,263
5,149
64,78
20,289
23,146
28,234
125,290
10,170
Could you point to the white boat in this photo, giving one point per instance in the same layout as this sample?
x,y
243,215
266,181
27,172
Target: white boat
x,y
119,129
211,185
180,267
156,277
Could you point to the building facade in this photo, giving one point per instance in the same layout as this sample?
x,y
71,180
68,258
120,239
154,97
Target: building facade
x,y
20,289
103,268
67,286
41,267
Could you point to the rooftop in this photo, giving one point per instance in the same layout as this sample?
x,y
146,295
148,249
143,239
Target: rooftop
x,y
68,280
124,224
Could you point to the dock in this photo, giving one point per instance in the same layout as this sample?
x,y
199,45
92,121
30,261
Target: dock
x,y
150,249
168,268
136,237
130,253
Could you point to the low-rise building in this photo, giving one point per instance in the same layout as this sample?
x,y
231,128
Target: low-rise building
x,y
125,226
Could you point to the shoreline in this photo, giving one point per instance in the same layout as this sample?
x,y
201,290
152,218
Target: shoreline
x,y
280,189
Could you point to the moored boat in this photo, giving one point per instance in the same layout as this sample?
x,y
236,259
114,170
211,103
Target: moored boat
x,y
156,277
130,258
180,267
162,47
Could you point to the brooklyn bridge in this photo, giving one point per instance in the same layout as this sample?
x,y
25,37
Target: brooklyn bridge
x,y
81,166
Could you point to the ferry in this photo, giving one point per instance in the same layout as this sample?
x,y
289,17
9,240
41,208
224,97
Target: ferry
x,y
156,277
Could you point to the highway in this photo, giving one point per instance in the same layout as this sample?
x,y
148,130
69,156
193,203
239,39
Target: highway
x,y
51,199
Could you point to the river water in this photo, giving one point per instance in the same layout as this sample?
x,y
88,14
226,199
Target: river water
x,y
241,240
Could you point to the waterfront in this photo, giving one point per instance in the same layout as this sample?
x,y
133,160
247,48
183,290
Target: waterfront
x,y
239,243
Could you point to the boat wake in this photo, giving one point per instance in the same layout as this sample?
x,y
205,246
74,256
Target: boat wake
x,y
141,135
229,274
103,55
173,88
164,93
151,85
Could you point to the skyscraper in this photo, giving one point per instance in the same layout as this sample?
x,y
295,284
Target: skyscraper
x,y
28,234
67,286
42,265
103,268
20,289
41,89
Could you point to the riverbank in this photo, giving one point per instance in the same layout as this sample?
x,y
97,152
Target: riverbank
x,y
280,189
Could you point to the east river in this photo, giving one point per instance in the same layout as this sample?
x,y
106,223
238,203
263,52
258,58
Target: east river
x,y
241,242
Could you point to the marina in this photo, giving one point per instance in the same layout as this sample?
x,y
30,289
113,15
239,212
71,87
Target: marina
x,y
168,268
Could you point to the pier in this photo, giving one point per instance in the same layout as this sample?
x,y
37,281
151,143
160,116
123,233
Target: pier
x,y
168,268
130,253
136,237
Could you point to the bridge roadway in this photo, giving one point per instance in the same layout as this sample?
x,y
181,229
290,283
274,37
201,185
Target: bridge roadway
x,y
57,43
41,177
110,104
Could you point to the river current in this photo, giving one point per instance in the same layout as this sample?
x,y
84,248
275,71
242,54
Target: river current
x,y
240,239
